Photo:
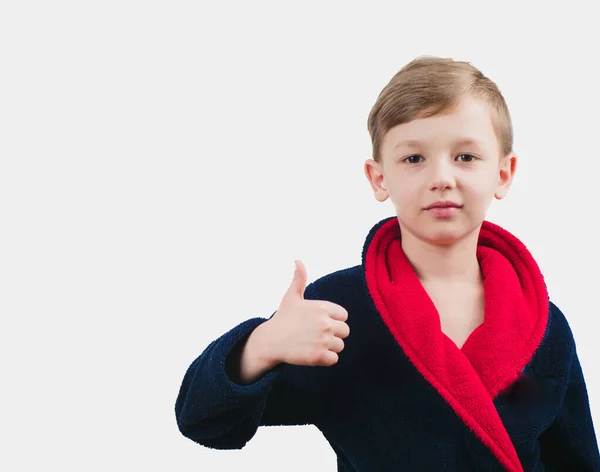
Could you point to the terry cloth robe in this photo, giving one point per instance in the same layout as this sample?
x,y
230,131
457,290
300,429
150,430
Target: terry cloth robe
x,y
403,396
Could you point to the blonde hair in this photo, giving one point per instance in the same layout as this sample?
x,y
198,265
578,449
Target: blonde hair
x,y
429,85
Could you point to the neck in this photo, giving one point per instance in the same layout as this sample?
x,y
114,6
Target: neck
x,y
453,263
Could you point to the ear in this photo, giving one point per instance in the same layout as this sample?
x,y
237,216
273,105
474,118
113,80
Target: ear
x,y
506,173
374,173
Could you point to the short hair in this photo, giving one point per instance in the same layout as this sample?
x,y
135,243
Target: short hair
x,y
429,85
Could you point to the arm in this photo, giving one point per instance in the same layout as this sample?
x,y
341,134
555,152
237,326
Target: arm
x,y
216,411
249,360
570,443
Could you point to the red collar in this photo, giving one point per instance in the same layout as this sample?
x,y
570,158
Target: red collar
x,y
494,355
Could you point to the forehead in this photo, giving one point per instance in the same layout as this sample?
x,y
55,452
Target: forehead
x,y
469,123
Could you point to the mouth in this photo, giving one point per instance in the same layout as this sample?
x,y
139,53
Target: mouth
x,y
443,210
443,205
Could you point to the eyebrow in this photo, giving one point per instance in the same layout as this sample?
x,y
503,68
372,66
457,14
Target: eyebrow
x,y
417,143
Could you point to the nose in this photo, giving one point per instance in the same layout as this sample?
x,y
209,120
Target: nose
x,y
442,175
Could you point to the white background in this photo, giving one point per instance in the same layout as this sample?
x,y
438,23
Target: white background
x,y
163,164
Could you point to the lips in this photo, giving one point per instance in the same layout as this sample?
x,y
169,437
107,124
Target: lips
x,y
444,212
444,209
443,205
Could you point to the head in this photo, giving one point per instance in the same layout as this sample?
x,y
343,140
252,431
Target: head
x,y
441,131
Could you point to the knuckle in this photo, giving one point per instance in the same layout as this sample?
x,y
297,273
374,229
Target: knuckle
x,y
324,323
313,357
323,339
316,356
323,307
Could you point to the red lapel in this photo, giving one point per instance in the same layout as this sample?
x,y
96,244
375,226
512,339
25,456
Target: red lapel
x,y
516,315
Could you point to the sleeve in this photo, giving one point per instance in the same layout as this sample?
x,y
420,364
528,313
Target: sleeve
x,y
214,411
570,443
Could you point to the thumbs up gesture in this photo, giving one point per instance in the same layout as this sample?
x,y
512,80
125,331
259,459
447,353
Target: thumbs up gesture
x,y
301,332
306,332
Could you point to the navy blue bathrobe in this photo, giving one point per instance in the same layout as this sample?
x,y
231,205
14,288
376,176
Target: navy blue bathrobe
x,y
387,406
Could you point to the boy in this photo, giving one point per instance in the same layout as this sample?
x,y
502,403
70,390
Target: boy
x,y
457,359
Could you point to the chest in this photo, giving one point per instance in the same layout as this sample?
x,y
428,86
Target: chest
x,y
461,310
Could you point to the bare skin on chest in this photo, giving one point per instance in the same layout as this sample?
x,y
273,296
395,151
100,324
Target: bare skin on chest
x,y
460,307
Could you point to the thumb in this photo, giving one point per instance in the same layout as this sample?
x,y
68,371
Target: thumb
x,y
298,284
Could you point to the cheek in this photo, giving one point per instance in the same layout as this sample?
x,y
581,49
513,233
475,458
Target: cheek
x,y
405,197
481,188
478,197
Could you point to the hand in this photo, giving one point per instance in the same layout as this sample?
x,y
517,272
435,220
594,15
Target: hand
x,y
305,332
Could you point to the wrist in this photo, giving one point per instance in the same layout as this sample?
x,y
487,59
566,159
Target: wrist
x,y
260,347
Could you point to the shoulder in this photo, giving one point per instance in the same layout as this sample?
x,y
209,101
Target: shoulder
x,y
557,349
345,287
341,285
558,327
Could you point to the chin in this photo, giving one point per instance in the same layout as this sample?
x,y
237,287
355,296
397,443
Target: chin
x,y
449,232
442,238
440,233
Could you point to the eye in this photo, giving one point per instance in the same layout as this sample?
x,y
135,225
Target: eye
x,y
470,157
411,159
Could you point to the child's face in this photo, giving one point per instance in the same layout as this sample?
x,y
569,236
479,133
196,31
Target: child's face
x,y
442,169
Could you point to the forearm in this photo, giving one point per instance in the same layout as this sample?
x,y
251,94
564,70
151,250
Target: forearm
x,y
251,359
213,410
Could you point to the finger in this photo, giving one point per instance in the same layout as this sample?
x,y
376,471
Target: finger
x,y
340,329
336,344
298,283
335,311
328,358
